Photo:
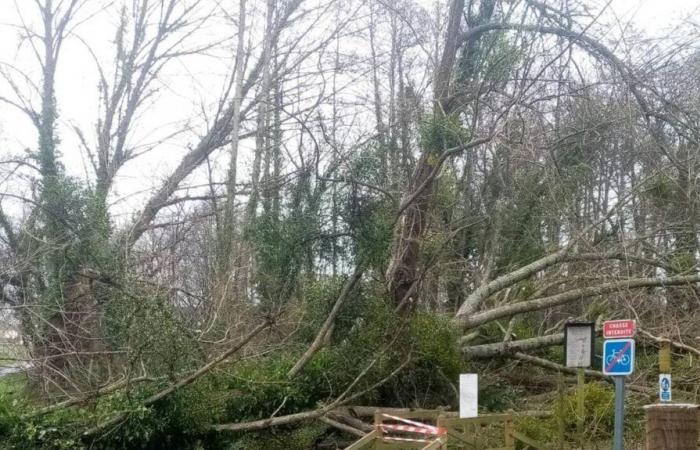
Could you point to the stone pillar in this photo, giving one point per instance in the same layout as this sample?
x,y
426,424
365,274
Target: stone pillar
x,y
672,427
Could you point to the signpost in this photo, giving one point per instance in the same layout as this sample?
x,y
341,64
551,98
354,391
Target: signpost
x,y
618,361
665,387
618,357
665,372
579,339
665,357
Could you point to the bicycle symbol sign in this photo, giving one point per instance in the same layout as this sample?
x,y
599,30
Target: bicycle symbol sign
x,y
618,357
665,387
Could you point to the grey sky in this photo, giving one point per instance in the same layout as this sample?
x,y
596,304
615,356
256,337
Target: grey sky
x,y
190,83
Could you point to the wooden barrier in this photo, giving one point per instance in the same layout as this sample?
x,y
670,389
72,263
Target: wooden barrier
x,y
378,440
488,432
473,434
375,441
368,442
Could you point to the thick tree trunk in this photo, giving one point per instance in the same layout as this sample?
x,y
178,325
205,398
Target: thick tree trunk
x,y
66,330
501,348
403,274
73,351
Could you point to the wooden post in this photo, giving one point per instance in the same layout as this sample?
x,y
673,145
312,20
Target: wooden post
x,y
508,430
665,357
378,419
581,407
561,406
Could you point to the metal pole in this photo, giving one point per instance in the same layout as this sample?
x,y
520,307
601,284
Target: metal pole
x,y
618,441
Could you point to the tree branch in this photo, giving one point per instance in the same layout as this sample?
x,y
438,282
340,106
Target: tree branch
x,y
501,348
184,381
327,324
572,295
292,418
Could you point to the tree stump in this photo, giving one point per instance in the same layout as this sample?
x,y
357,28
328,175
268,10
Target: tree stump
x,y
672,427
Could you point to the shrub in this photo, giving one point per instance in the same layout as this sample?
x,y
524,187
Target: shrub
x,y
301,438
440,133
599,418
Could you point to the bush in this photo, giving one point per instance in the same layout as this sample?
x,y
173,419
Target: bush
x,y
302,438
368,339
599,418
430,378
177,422
440,133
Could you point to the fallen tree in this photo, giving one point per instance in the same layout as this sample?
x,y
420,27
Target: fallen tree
x,y
572,295
503,348
211,364
341,400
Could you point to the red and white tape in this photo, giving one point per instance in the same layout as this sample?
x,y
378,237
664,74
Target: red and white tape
x,y
408,429
413,426
391,438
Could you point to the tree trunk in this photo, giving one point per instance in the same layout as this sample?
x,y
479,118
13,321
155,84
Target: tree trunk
x,y
227,233
403,273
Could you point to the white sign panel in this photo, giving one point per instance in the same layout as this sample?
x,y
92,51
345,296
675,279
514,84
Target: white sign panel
x,y
665,387
468,395
579,345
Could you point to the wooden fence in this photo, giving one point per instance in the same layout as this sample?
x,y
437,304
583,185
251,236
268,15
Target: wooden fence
x,y
480,433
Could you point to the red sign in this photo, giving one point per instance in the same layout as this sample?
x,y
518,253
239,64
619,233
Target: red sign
x,y
619,328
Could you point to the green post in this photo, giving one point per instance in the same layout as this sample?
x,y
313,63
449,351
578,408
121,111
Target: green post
x,y
581,411
561,407
665,357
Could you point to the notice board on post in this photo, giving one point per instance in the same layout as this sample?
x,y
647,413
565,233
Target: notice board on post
x,y
468,395
579,339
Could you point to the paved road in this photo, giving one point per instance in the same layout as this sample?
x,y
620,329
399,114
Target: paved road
x,y
8,370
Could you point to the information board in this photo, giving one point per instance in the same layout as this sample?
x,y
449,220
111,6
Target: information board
x,y
468,395
579,341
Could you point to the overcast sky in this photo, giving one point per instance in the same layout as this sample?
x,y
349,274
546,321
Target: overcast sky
x,y
77,81
655,16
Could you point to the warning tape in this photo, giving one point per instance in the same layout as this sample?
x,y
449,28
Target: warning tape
x,y
411,422
409,429
389,438
415,427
